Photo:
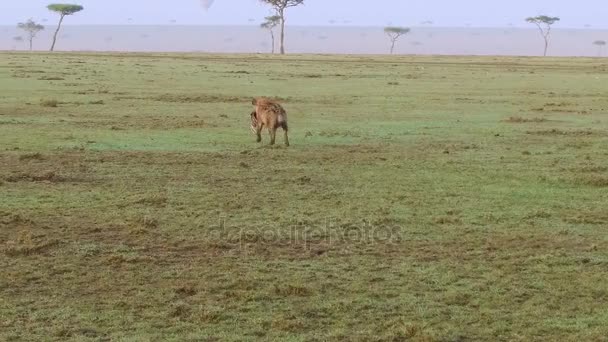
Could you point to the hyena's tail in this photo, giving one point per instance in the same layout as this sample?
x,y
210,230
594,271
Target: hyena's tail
x,y
254,122
282,121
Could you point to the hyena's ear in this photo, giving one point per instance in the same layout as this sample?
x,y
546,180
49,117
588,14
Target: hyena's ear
x,y
254,101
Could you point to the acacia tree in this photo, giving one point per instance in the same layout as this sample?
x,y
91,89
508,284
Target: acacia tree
x,y
270,23
17,40
600,46
63,10
544,23
394,33
280,6
31,28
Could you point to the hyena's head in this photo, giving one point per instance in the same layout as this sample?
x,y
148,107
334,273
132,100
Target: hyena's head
x,y
261,100
254,122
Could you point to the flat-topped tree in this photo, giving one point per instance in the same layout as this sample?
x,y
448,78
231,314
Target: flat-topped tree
x,y
544,24
280,6
31,28
63,10
270,23
600,46
17,39
394,33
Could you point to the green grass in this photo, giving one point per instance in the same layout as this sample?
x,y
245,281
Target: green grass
x,y
423,198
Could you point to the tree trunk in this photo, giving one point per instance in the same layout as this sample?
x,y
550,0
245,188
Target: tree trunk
x,y
282,14
392,45
31,42
272,39
56,32
546,46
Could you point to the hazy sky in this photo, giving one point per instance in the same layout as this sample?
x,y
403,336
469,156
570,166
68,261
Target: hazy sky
x,y
484,13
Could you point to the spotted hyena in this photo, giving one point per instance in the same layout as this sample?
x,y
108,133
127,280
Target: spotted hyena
x,y
270,114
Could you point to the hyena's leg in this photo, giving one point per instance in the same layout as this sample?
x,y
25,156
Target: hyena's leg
x,y
286,137
256,126
258,133
273,134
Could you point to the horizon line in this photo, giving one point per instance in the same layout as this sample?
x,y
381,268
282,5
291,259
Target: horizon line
x,y
325,26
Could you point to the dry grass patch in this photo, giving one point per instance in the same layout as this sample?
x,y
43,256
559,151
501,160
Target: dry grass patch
x,y
591,169
51,103
288,323
156,200
519,119
26,244
292,291
595,180
588,217
31,156
12,218
572,133
51,78
45,176
181,98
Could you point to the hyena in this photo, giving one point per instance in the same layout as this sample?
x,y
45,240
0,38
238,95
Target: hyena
x,y
269,114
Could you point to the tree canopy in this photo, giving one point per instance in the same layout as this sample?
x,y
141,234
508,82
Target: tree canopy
x,y
543,22
599,42
30,26
543,19
395,30
65,9
271,22
283,4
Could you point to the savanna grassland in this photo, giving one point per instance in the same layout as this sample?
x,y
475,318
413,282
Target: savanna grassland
x,y
423,199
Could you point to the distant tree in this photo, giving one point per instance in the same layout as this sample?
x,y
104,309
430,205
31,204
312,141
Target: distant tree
x,y
17,40
280,6
394,33
270,23
600,46
31,28
544,24
63,10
